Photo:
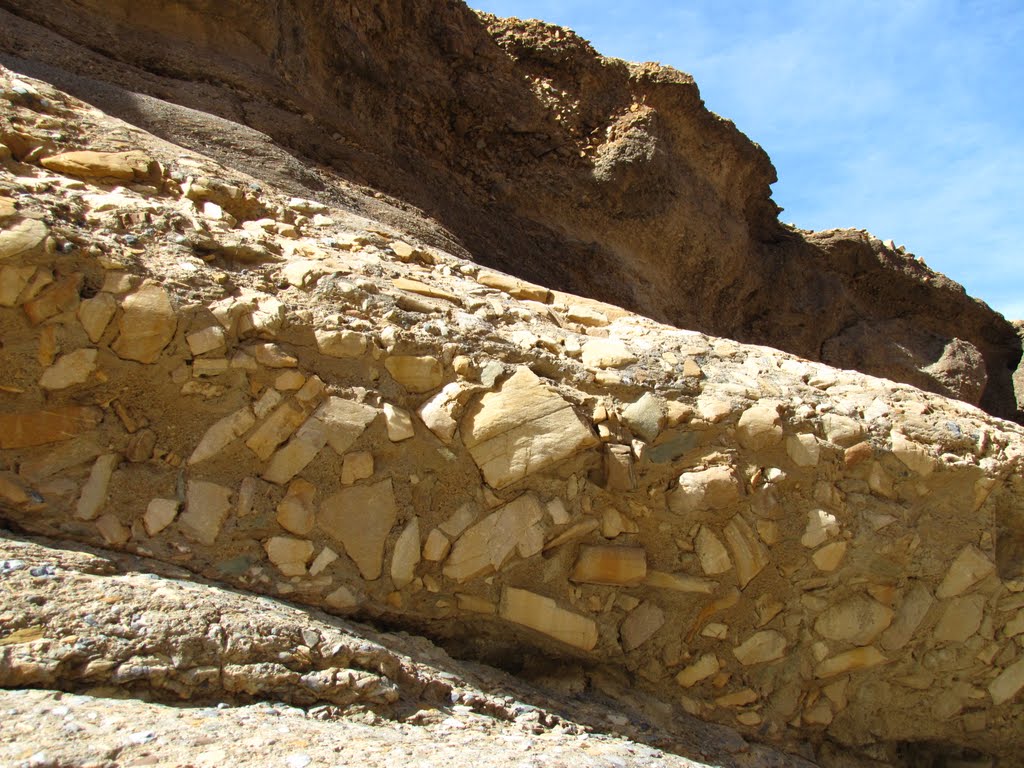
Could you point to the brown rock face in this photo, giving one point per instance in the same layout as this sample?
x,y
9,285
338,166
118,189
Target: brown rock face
x,y
537,155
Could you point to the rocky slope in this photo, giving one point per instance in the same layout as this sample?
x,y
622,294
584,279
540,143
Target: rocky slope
x,y
537,157
293,399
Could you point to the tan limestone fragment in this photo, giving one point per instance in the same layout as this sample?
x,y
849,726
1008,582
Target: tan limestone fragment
x,y
857,620
123,166
641,625
114,532
761,647
749,554
714,559
829,557
95,315
850,661
277,428
969,567
758,427
584,315
914,456
1008,684
160,513
399,423
322,561
543,615
488,544
606,353
842,430
342,599
206,508
522,428
355,467
361,518
912,610
712,488
518,289
342,344
13,279
417,374
21,237
438,413
680,582
345,421
273,356
803,449
706,666
297,511
69,370
94,492
221,434
615,566
436,547
821,526
406,556
146,325
289,555
207,340
51,425
961,619
293,457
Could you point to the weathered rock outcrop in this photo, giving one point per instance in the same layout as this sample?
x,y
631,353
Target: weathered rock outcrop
x,y
538,156
380,428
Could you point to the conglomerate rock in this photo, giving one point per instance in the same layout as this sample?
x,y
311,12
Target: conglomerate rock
x,y
536,155
378,427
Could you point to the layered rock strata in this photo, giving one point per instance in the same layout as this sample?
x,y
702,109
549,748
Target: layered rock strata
x,y
538,157
378,427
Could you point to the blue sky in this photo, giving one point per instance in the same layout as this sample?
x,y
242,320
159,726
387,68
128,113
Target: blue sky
x,y
903,117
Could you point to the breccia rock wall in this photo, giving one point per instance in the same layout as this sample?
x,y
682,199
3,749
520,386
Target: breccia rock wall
x,y
541,158
295,400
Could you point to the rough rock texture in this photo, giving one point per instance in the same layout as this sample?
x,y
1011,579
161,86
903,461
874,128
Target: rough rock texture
x,y
537,156
819,559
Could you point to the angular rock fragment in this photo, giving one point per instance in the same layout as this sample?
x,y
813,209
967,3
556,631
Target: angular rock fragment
x,y
221,434
361,518
606,353
160,513
95,315
488,544
712,488
416,374
146,325
646,416
521,429
21,237
297,511
857,620
399,423
543,615
342,344
850,661
406,555
122,166
759,427
761,647
289,555
206,508
52,425
706,666
969,567
615,566
641,625
714,559
748,552
292,458
94,492
69,370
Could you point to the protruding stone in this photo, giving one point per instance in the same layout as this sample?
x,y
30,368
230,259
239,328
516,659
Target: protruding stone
x,y
416,374
160,513
70,369
406,555
584,315
342,344
714,559
292,458
94,492
87,164
13,279
842,430
21,237
356,467
361,518
915,457
208,339
618,468
961,619
543,615
741,698
522,428
969,568
436,547
767,645
803,449
646,417
221,434
748,552
289,555
206,508
114,532
438,413
759,427
680,582
912,610
850,661
95,315
829,557
641,625
857,620
486,546
146,325
514,287
712,488
51,425
821,526
1008,684
273,356
322,561
606,353
615,566
277,428
345,421
706,666
297,511
399,423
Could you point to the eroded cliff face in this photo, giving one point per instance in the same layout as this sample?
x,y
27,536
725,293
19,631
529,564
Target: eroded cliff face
x,y
537,156
296,400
